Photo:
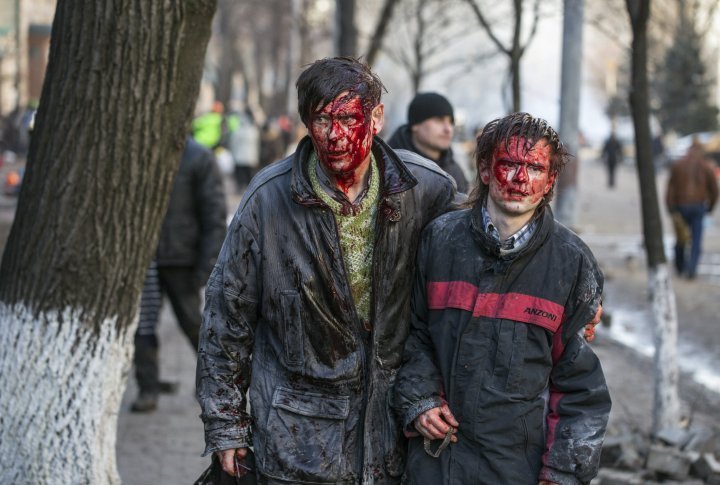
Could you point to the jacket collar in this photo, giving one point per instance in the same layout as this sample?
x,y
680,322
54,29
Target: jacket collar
x,y
395,176
546,221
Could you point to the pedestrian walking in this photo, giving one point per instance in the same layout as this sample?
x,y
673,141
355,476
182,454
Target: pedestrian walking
x,y
692,192
429,132
497,385
307,307
190,238
612,155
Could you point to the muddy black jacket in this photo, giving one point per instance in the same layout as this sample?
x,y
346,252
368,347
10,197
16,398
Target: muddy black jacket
x,y
402,139
280,321
499,338
194,225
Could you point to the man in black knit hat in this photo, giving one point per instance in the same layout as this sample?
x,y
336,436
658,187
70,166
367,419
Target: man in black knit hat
x,y
429,132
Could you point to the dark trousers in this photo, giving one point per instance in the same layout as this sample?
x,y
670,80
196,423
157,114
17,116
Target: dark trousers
x,y
178,283
693,215
611,173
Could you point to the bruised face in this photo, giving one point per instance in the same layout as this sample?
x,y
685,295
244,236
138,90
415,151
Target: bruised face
x,y
342,133
518,179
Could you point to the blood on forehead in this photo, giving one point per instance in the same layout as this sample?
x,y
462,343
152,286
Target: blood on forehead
x,y
364,103
521,148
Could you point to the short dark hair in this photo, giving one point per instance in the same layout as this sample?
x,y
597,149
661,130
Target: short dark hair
x,y
323,80
522,125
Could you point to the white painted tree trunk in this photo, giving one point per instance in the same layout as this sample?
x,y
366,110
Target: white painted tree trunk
x,y
666,412
61,383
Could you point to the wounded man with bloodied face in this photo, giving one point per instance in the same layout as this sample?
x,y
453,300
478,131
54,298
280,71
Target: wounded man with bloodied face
x,y
308,306
498,384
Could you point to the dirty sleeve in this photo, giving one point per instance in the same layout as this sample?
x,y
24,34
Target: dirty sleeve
x,y
226,339
579,401
418,387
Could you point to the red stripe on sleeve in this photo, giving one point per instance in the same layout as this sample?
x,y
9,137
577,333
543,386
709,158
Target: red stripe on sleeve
x,y
451,294
512,306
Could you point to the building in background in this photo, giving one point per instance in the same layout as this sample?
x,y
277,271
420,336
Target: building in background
x,y
25,27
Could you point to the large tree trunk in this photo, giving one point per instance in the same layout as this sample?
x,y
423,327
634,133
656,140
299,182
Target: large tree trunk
x,y
119,92
666,411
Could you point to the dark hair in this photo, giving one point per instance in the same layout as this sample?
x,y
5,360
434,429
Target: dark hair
x,y
323,80
521,125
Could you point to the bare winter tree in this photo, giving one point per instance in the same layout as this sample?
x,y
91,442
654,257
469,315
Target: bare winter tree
x,y
666,411
381,27
119,92
267,42
516,49
426,40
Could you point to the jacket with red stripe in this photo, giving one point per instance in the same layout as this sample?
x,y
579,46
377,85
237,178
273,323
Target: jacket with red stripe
x,y
499,338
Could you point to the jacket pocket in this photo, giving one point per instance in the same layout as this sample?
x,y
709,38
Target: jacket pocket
x,y
305,436
534,439
510,343
293,329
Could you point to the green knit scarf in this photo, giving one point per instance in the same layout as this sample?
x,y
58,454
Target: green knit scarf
x,y
357,235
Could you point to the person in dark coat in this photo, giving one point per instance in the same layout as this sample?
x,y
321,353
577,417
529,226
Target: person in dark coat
x,y
497,383
308,306
612,155
190,238
429,132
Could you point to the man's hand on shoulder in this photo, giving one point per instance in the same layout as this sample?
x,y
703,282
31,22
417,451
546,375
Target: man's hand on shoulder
x,y
590,327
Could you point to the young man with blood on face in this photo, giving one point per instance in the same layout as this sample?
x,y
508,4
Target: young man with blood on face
x,y
498,384
308,306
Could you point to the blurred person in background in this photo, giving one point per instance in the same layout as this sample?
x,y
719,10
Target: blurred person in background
x,y
190,238
692,192
429,133
244,145
612,155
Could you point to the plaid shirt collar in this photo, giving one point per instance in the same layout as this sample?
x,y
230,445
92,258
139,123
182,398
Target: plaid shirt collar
x,y
514,242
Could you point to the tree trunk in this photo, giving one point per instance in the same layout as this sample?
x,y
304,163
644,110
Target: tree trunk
x,y
380,29
570,108
515,55
119,92
346,32
666,411
227,65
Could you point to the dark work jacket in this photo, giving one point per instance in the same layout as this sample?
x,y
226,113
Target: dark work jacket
x,y
280,321
499,338
194,225
402,139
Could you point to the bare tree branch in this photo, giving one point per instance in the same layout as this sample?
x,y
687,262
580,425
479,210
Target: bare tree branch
x,y
380,29
533,30
486,26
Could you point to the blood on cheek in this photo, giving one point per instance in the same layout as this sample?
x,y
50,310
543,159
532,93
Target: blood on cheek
x,y
517,173
342,139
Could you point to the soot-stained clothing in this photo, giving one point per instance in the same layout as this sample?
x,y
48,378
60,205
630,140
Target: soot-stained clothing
x,y
499,338
280,323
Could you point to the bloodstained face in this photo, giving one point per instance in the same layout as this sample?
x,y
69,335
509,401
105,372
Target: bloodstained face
x,y
518,179
342,133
